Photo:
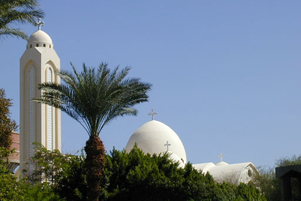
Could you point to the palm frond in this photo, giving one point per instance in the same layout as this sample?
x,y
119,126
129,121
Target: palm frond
x,y
17,11
13,32
94,97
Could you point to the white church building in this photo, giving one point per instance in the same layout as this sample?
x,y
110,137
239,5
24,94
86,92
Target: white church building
x,y
42,123
156,137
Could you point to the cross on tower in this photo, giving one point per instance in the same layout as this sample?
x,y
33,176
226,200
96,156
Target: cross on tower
x,y
39,24
153,113
167,145
221,156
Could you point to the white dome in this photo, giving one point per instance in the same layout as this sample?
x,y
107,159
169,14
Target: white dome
x,y
152,138
221,163
40,37
203,167
175,158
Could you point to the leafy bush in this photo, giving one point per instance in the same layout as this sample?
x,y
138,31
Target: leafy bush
x,y
12,189
137,176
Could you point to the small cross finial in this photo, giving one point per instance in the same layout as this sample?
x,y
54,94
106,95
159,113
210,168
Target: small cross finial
x,y
167,145
221,156
153,113
39,24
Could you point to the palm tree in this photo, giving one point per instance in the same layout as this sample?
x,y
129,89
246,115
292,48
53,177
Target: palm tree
x,y
17,11
94,98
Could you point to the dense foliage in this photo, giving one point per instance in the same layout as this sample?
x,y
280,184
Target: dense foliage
x,y
13,190
127,176
65,172
7,125
17,11
138,176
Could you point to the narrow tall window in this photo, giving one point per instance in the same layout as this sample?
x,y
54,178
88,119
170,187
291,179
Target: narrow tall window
x,y
49,117
31,126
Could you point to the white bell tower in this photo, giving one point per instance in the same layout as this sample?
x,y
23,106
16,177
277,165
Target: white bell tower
x,y
38,122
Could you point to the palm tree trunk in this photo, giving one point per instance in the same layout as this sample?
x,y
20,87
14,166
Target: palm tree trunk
x,y
95,161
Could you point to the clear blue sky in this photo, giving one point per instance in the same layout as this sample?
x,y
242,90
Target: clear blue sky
x,y
225,74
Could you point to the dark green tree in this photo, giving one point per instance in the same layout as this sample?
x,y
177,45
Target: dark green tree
x,y
248,193
7,125
65,173
8,183
13,190
138,176
73,185
37,192
17,11
94,97
228,190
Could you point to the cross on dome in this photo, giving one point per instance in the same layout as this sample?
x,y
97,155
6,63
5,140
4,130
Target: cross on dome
x,y
167,145
39,24
153,113
221,156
